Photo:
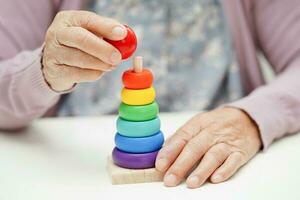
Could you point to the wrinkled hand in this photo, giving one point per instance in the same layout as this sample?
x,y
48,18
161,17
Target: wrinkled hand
x,y
74,50
222,140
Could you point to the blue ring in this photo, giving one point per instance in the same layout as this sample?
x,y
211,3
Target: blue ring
x,y
141,144
138,129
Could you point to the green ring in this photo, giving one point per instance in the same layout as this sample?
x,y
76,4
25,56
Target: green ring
x,y
138,113
138,129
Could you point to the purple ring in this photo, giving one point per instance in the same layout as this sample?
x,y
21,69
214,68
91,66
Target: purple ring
x,y
134,160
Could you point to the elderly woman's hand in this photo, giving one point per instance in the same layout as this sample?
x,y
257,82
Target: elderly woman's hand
x,y
75,51
222,140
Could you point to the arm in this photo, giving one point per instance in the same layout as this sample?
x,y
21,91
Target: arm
x,y
24,94
79,56
73,53
276,107
222,140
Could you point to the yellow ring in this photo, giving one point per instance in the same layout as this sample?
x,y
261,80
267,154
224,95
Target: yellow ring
x,y
138,97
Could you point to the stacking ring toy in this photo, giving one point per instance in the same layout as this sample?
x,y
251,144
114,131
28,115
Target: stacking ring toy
x,y
138,113
138,97
141,144
138,129
137,80
134,161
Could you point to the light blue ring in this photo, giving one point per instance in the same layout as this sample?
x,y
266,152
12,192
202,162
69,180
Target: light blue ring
x,y
138,129
141,144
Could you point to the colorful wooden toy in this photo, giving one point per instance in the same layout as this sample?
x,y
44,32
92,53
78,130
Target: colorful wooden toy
x,y
138,138
138,128
127,46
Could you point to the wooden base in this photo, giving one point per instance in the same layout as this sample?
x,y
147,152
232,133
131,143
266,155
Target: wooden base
x,y
126,176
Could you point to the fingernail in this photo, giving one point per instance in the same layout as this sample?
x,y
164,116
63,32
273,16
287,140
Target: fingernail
x,y
161,164
217,178
170,180
193,182
119,31
115,57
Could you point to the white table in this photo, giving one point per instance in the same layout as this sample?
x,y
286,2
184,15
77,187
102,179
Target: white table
x,y
66,159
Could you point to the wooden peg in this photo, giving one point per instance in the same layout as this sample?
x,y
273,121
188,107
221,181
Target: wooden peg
x,y
138,64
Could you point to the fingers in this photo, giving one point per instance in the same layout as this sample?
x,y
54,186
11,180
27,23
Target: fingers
x,y
188,157
65,76
168,154
211,138
77,75
230,166
102,26
89,43
212,159
75,51
174,145
77,58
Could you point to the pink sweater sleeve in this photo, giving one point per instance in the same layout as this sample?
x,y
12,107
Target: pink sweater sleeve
x,y
24,94
276,107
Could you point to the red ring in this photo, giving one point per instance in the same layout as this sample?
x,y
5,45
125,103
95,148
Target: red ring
x,y
137,80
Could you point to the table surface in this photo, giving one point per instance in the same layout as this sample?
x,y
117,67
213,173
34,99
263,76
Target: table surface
x,y
66,158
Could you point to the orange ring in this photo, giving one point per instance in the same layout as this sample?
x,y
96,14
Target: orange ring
x,y
137,80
